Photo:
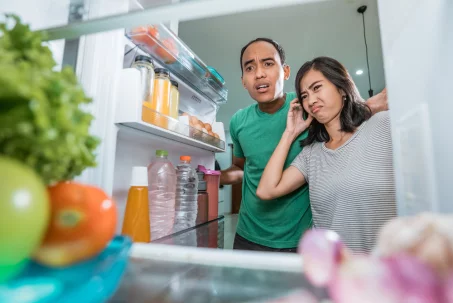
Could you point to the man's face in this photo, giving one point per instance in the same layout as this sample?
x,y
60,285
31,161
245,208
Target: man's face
x,y
263,74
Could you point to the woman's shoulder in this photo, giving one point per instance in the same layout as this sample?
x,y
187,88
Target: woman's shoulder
x,y
309,149
379,125
380,117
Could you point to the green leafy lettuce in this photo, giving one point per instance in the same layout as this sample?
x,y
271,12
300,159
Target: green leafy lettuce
x,y
41,120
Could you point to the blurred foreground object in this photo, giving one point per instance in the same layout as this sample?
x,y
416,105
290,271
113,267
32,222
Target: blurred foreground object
x,y
41,120
83,221
429,237
24,215
412,263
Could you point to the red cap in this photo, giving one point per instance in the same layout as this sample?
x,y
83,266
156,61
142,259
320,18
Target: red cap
x,y
185,158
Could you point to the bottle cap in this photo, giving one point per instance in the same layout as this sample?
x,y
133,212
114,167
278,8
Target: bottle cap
x,y
162,71
143,58
161,153
209,172
139,176
185,158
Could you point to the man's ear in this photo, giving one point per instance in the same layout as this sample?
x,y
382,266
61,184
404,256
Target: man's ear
x,y
243,82
287,71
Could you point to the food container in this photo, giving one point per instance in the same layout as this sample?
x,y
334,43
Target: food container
x,y
212,178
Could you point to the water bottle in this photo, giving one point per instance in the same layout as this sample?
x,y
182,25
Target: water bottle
x,y
186,195
161,193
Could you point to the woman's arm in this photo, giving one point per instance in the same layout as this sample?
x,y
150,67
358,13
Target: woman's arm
x,y
275,182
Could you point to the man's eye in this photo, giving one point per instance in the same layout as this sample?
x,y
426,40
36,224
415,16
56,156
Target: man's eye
x,y
268,64
249,68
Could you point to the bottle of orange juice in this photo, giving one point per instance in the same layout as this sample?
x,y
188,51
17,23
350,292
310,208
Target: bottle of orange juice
x,y
136,223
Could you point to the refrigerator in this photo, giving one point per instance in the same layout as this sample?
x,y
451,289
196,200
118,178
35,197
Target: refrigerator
x,y
417,39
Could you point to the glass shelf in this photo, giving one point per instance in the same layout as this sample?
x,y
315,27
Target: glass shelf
x,y
176,274
165,47
161,125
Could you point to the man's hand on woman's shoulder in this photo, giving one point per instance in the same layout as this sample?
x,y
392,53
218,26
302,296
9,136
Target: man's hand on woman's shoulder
x,y
379,102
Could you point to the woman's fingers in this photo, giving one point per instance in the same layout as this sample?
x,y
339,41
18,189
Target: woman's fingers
x,y
295,106
309,120
296,100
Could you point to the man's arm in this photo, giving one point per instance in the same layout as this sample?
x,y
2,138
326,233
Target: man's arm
x,y
234,174
378,103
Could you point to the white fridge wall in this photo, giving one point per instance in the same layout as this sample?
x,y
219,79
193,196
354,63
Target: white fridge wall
x,y
98,64
41,14
137,148
418,45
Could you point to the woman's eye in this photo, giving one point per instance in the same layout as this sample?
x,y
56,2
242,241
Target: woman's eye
x,y
317,87
303,97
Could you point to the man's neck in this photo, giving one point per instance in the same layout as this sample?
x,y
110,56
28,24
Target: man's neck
x,y
273,106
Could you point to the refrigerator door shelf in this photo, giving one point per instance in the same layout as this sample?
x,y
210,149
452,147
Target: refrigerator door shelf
x,y
167,127
132,112
171,52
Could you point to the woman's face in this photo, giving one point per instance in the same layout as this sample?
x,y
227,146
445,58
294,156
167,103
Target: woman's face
x,y
320,97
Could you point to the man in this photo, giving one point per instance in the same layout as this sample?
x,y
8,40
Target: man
x,y
275,225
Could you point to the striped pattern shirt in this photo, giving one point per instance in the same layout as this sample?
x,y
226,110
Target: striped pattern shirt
x,y
352,189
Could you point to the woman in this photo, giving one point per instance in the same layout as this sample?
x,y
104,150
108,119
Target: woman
x,y
346,158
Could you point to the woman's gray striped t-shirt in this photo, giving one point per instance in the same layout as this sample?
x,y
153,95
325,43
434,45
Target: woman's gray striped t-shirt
x,y
352,188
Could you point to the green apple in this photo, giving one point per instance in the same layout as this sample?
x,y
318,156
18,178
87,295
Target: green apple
x,y
24,215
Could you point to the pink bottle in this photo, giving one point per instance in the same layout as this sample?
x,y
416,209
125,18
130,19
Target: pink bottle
x,y
212,178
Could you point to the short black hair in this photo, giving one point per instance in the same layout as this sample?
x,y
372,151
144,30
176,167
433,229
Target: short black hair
x,y
354,111
278,47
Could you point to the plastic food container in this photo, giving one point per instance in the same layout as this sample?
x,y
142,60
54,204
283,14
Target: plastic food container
x,y
95,280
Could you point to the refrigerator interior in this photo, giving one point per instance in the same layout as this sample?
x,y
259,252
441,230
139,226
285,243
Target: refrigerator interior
x,y
101,60
415,95
137,148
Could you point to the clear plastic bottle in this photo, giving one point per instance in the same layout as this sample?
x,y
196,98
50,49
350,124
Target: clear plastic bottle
x,y
162,185
186,195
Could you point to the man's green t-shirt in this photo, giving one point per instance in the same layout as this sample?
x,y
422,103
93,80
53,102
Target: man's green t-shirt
x,y
277,223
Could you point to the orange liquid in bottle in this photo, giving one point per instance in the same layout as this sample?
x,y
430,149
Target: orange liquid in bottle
x,y
136,219
160,104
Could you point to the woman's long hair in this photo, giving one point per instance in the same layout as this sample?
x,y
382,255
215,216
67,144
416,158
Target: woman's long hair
x,y
354,111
